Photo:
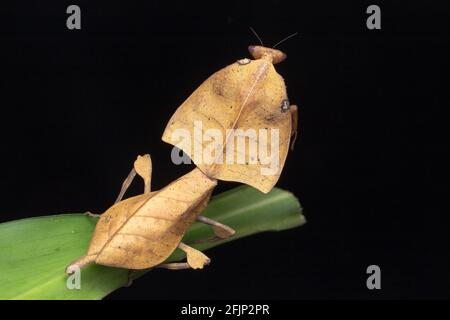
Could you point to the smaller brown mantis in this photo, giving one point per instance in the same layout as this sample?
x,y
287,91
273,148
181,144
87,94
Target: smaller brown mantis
x,y
141,232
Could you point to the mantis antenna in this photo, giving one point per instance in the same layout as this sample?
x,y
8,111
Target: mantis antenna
x,y
254,32
288,37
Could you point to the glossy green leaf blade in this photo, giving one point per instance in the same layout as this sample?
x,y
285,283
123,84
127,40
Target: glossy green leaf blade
x,y
34,252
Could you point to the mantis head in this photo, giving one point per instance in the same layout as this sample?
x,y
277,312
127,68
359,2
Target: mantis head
x,y
260,52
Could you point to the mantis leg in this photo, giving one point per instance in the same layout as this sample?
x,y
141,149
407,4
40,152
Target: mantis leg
x,y
92,215
294,116
80,262
170,266
174,266
195,258
125,185
221,231
142,167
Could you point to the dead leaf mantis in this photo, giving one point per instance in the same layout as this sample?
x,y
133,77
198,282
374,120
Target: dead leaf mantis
x,y
141,232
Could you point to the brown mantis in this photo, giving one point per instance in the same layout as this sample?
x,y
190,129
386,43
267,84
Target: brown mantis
x,y
142,231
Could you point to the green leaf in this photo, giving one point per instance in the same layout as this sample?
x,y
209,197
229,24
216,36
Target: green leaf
x,y
34,252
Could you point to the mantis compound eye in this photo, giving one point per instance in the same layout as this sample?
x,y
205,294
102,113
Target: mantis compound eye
x,y
243,61
285,105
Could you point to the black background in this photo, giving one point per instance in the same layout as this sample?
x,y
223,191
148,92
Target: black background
x,y
371,163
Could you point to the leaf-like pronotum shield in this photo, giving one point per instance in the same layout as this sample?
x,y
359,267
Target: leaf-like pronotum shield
x,y
249,97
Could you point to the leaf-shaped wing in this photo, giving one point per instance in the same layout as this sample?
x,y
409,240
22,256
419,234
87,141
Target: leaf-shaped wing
x,y
143,231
